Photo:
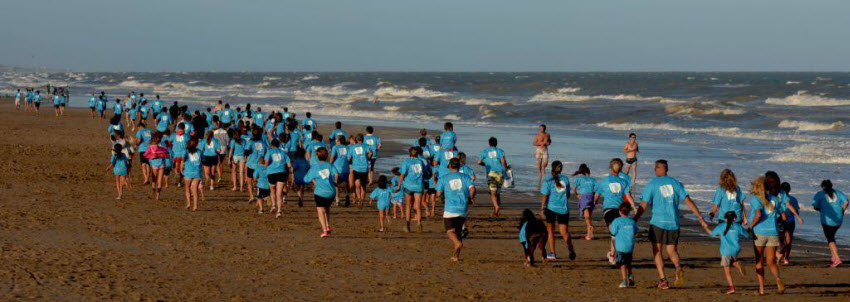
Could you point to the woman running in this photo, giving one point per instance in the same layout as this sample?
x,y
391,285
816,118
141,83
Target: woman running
x,y
143,138
278,166
728,197
584,186
411,182
179,141
237,159
764,215
323,176
339,158
192,173
554,208
614,190
831,204
300,167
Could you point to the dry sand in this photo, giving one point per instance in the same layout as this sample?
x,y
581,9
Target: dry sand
x,y
63,236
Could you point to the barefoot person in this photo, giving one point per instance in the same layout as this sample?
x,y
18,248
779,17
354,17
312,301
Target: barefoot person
x,y
458,192
730,233
324,177
278,167
583,187
765,214
541,151
789,224
119,164
664,193
382,195
631,149
495,164
555,192
728,197
192,172
614,190
831,204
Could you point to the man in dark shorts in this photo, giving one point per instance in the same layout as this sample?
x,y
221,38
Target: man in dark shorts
x,y
458,192
664,193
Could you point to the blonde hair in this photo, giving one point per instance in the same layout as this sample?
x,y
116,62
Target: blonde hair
x,y
759,191
728,181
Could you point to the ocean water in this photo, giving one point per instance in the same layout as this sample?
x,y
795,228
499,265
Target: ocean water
x,y
792,123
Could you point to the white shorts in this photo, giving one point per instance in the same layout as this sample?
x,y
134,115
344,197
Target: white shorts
x,y
541,153
17,101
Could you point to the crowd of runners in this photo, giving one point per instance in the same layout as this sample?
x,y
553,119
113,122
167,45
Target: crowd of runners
x,y
272,156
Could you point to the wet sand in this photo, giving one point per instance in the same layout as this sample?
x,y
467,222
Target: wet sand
x,y
63,236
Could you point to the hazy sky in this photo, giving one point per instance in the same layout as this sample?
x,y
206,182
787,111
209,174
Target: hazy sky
x,y
427,35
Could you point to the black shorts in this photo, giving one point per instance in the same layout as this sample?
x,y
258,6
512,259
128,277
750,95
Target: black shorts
x,y
372,163
829,232
363,177
278,177
609,215
263,193
323,202
624,259
62,105
552,217
144,160
662,236
630,161
167,171
37,105
210,161
56,106
250,173
456,224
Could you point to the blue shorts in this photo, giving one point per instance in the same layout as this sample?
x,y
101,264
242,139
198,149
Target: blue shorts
x,y
586,202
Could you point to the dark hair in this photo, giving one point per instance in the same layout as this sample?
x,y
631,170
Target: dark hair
x,y
493,141
663,162
338,124
557,167
308,114
632,134
115,120
826,184
300,153
527,216
785,187
422,141
454,163
461,156
117,148
771,181
322,154
730,219
369,129
382,182
359,137
625,207
192,145
543,126
396,171
616,162
583,170
275,143
412,151
448,126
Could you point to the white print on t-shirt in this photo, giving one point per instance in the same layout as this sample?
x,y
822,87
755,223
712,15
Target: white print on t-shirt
x,y
492,154
276,157
417,168
370,142
258,147
342,151
832,199
731,195
448,155
562,188
455,184
615,187
325,173
358,150
180,138
666,190
194,157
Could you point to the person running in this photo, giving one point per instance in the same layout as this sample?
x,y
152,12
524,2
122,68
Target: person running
x,y
458,192
278,167
398,196
555,192
448,138
359,156
374,143
339,158
237,159
831,204
584,187
300,167
263,186
92,104
308,121
383,196
256,149
728,197
163,120
337,132
143,138
220,134
156,156
179,141
541,143
631,149
624,228
495,164
664,193
411,180
323,176
730,233
56,100
210,147
792,209
18,100
614,191
192,173
119,164
36,100
765,211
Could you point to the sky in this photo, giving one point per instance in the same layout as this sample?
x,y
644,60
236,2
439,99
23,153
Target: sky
x,y
430,35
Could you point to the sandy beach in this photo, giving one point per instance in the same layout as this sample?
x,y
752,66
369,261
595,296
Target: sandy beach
x,y
63,236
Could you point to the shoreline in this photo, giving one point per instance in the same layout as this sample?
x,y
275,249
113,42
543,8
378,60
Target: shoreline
x,y
73,240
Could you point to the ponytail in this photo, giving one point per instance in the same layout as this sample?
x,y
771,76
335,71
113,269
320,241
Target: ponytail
x,y
730,219
582,170
557,166
827,187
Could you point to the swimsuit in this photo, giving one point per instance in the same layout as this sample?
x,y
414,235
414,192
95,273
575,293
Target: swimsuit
x,y
541,153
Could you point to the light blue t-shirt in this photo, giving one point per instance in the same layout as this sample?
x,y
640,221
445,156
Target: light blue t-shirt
x,y
383,196
119,164
663,194
729,201
730,244
789,216
335,134
585,184
464,169
237,144
192,166
276,160
492,158
624,229
143,136
455,188
261,174
56,100
831,211
372,141
311,147
612,189
117,108
340,156
412,169
358,154
256,149
300,167
325,176
556,200
442,158
163,120
92,102
448,139
210,147
766,225
259,117
397,196
227,116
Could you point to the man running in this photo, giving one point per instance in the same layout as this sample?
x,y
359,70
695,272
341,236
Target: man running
x,y
541,151
493,160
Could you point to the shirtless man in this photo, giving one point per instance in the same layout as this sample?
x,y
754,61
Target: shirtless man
x,y
631,149
541,151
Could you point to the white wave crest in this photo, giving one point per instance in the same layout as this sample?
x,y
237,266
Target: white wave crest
x,y
421,92
695,110
310,78
479,102
792,82
831,153
810,126
803,98
567,95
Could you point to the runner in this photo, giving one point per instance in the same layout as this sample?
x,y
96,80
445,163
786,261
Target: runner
x,y
179,141
664,193
831,204
584,186
448,138
278,167
374,143
143,138
411,180
336,132
792,209
765,212
156,155
323,176
119,164
36,100
255,149
237,159
300,167
263,186
339,158
359,156
398,196
383,196
18,100
495,164
541,143
192,172
210,147
631,149
458,192
730,233
624,228
614,190
92,104
728,197
555,192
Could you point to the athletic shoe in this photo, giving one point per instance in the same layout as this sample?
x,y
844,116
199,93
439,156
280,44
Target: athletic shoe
x,y
680,278
624,284
835,262
662,284
464,232
325,234
550,256
631,280
611,258
731,290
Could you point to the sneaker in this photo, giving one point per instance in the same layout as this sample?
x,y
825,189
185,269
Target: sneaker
x,y
611,258
325,234
662,284
731,290
835,262
624,284
550,256
260,212
680,278
278,214
464,232
631,280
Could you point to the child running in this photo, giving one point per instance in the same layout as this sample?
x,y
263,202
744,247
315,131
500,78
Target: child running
x,y
411,180
383,196
263,189
730,232
584,186
192,172
300,167
119,164
156,155
323,176
792,208
831,204
555,192
398,196
623,229
278,167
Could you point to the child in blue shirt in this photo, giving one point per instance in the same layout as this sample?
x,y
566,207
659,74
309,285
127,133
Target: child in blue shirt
x,y
730,233
398,195
623,229
263,188
584,187
383,196
119,163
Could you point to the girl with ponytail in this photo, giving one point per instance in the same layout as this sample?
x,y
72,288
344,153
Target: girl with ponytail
x,y
763,225
554,208
730,233
831,204
584,186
